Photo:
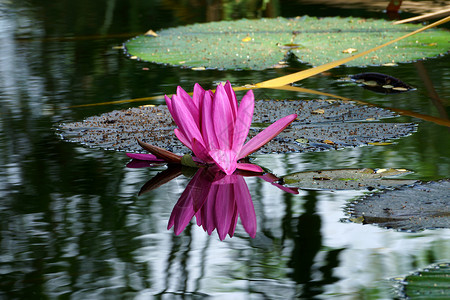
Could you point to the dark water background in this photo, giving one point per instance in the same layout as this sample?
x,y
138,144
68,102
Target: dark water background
x,y
72,226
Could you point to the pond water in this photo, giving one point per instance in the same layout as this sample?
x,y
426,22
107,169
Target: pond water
x,y
72,225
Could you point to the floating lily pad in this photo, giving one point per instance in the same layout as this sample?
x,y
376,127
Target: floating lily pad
x,y
381,83
265,43
321,125
422,206
431,283
347,179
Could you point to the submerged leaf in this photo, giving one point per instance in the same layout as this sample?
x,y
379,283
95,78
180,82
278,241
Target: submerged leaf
x,y
340,123
381,83
263,43
347,179
422,206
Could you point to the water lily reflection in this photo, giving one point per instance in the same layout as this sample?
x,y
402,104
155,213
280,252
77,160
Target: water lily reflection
x,y
215,199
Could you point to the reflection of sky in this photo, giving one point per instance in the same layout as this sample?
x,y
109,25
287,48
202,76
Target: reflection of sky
x,y
10,172
7,61
384,253
16,63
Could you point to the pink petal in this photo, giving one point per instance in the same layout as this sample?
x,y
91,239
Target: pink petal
x,y
233,223
207,126
186,123
223,119
160,153
199,187
182,138
222,178
225,160
266,135
232,98
136,164
198,95
208,217
191,200
169,104
187,108
273,180
218,176
250,167
243,120
170,108
290,190
144,156
201,152
183,95
269,177
193,109
199,218
245,206
182,212
224,209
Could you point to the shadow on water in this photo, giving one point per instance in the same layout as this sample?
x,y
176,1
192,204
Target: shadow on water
x,y
73,226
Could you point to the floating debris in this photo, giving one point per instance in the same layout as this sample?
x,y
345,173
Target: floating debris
x,y
349,50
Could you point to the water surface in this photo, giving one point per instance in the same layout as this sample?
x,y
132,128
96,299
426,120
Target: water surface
x,y
72,225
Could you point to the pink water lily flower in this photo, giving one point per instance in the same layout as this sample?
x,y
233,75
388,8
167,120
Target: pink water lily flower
x,y
214,126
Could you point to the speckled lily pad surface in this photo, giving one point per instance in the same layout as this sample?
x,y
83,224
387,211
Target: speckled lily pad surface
x,y
265,43
347,179
412,208
321,125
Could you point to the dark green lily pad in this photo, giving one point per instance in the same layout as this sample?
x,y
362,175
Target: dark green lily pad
x,y
422,206
265,43
430,283
321,125
347,179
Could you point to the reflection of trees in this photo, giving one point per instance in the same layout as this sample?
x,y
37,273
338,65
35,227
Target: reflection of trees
x,y
193,11
57,224
307,244
297,254
60,222
73,245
